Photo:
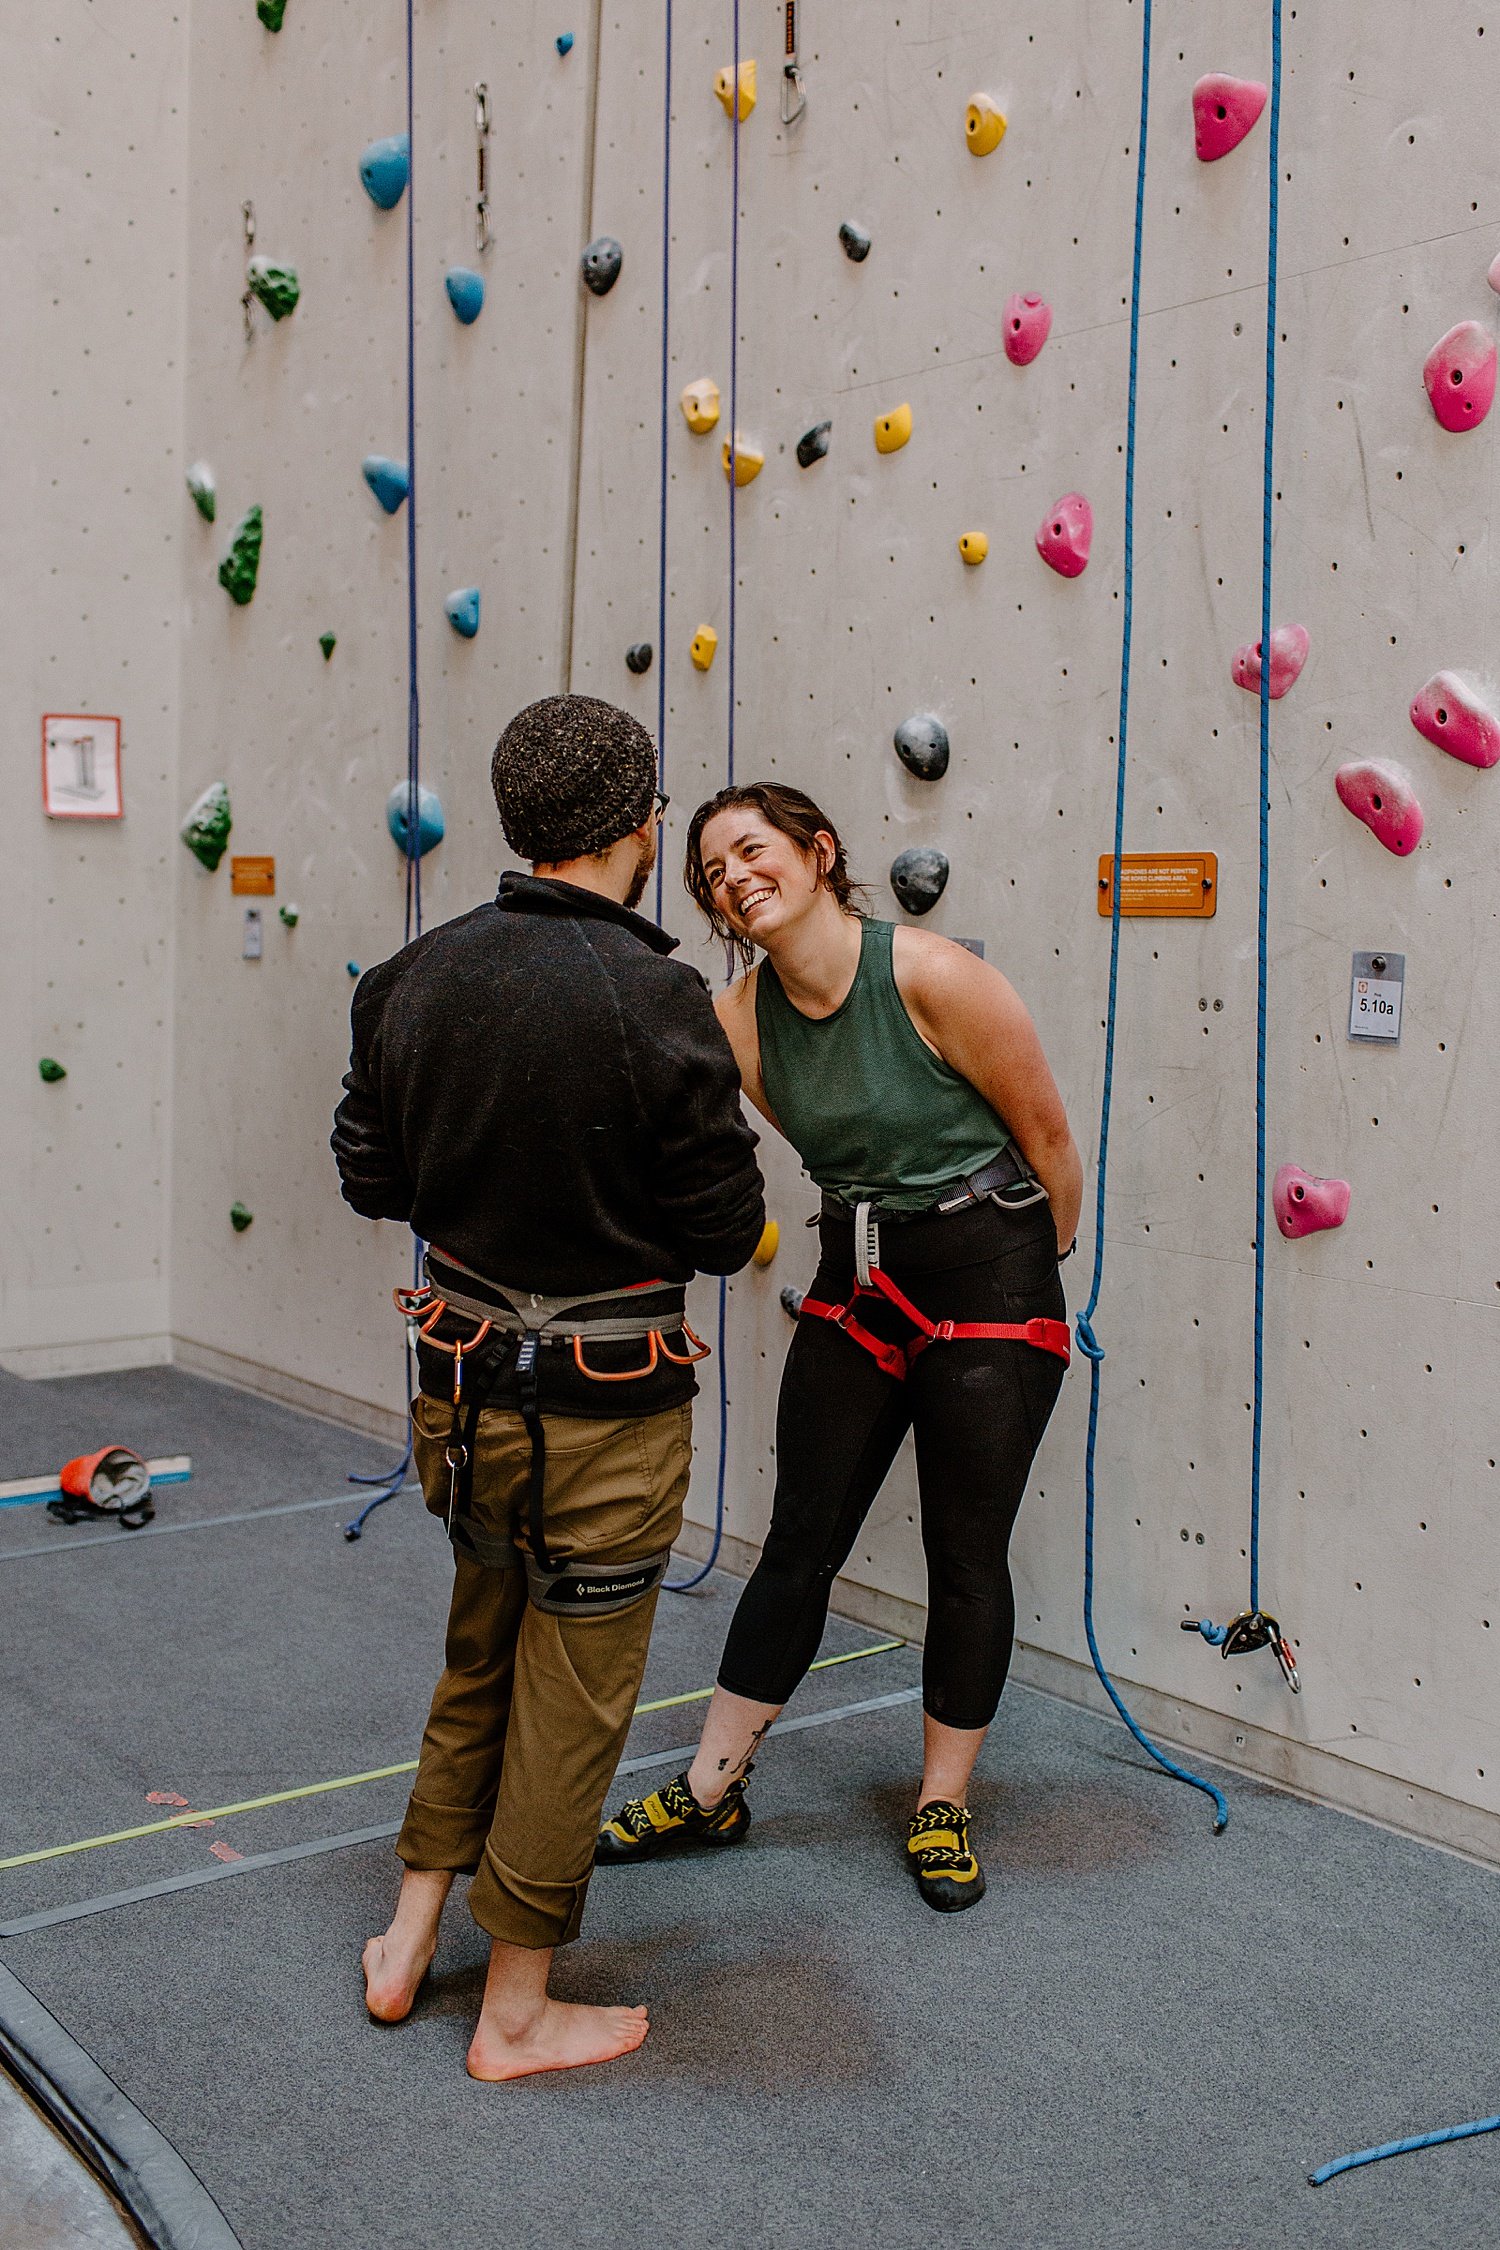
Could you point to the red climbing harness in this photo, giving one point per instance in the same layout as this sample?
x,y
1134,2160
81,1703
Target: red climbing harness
x,y
896,1359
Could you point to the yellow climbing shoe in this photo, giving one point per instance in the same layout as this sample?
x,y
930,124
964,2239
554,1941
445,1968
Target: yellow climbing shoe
x,y
948,1875
669,1818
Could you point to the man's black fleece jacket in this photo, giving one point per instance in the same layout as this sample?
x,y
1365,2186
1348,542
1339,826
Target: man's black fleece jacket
x,y
538,1088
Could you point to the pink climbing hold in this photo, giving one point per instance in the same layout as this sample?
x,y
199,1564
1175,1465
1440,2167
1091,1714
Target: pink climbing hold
x,y
1306,1205
1065,535
1382,796
1451,715
1028,324
1289,646
1459,372
1224,110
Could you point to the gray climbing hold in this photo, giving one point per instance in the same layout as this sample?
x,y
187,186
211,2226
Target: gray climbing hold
x,y
240,1217
856,242
387,479
922,746
791,1301
462,611
385,168
205,831
638,657
277,287
50,1071
465,290
601,264
813,444
430,822
290,914
328,642
272,13
565,42
200,483
241,566
919,878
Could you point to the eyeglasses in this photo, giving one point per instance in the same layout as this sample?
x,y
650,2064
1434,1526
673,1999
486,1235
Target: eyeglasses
x,y
659,803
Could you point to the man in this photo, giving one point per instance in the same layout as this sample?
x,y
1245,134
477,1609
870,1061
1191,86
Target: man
x,y
546,1098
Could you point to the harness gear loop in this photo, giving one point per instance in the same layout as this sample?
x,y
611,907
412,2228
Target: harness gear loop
x,y
685,1359
866,1244
624,1374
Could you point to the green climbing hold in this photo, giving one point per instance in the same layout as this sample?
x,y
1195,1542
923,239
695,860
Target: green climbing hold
x,y
51,1071
241,566
272,13
239,1217
290,914
206,828
328,642
200,483
276,286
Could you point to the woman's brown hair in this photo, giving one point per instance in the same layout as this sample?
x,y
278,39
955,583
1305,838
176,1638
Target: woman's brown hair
x,y
791,812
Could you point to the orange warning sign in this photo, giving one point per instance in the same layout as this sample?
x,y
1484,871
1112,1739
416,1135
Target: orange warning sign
x,y
253,877
1168,883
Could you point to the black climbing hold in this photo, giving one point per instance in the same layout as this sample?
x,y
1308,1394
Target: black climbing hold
x,y
791,1301
638,657
601,264
922,746
51,1071
856,242
919,877
813,444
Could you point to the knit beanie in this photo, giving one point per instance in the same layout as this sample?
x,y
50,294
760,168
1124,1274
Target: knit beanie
x,y
571,776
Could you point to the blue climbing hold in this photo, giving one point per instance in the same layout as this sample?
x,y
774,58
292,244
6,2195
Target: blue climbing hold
x,y
462,611
465,292
354,968
385,169
429,819
387,479
565,42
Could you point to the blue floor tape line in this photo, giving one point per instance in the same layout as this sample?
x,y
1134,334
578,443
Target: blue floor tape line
x,y
124,1540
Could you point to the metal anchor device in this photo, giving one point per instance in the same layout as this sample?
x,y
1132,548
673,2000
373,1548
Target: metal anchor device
x,y
1250,1630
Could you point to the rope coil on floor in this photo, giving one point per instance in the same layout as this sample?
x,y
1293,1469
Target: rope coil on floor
x,y
1088,1342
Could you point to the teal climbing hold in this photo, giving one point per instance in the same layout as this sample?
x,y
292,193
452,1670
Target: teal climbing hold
x,y
465,290
353,968
200,483
205,831
290,914
385,168
240,1217
387,479
462,611
241,566
429,819
275,285
565,42
328,642
50,1071
272,13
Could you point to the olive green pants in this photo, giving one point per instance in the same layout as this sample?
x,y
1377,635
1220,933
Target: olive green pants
x,y
531,1713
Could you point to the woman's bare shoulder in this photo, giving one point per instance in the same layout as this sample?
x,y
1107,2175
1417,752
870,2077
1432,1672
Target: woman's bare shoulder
x,y
737,1001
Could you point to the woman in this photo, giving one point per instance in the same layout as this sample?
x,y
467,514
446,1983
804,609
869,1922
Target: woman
x,y
910,1080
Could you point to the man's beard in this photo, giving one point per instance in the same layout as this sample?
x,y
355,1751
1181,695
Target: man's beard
x,y
644,870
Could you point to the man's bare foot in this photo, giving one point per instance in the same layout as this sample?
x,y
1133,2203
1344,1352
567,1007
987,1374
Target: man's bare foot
x,y
393,1975
560,2036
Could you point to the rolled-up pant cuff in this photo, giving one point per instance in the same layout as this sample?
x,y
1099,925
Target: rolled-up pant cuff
x,y
521,1912
443,1837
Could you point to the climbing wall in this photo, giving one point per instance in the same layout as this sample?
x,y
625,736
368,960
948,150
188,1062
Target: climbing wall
x,y
853,609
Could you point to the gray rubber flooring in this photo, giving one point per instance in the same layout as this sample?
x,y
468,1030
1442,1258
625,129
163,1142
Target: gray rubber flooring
x,y
1144,2035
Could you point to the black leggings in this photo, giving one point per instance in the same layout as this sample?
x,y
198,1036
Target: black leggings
x,y
977,1411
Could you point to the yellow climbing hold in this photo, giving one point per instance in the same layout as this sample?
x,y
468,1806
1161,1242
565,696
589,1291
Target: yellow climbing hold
x,y
892,430
724,88
984,125
702,646
769,1243
973,546
700,405
748,460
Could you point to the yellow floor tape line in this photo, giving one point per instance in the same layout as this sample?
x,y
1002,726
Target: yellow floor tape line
x,y
353,1780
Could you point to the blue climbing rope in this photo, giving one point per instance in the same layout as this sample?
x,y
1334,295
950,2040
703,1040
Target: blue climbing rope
x,y
685,1585
389,1482
666,365
1327,2172
1087,1341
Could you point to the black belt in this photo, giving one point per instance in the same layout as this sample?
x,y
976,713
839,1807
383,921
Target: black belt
x,y
1007,1170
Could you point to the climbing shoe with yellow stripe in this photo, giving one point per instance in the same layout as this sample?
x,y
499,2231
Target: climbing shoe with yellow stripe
x,y
671,1817
948,1875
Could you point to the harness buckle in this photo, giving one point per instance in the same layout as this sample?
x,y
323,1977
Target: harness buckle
x,y
942,1334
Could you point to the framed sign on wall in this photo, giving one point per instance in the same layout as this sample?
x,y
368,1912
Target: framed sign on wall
x,y
81,767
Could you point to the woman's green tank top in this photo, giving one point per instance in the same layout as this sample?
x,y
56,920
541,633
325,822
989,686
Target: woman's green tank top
x,y
870,1109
